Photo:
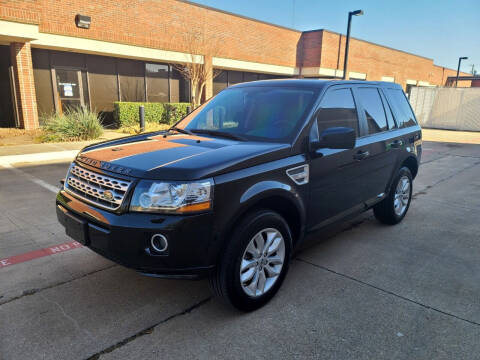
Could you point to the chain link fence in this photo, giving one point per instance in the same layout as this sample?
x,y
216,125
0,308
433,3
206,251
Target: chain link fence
x,y
447,108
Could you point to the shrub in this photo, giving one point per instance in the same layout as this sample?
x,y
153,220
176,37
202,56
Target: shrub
x,y
149,126
174,112
73,125
126,113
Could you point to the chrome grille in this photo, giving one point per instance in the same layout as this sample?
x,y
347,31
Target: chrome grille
x,y
104,191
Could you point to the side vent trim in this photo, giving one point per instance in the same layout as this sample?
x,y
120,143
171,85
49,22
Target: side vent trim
x,y
299,174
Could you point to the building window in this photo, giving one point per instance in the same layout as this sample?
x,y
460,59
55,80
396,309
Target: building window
x,y
179,87
220,82
235,77
132,81
43,81
102,78
157,82
166,84
250,76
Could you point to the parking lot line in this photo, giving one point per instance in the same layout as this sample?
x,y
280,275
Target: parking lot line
x,y
20,258
30,177
7,161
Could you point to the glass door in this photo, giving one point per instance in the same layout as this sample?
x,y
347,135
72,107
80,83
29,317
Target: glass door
x,y
71,90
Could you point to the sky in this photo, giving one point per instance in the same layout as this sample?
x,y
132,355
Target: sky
x,y
442,30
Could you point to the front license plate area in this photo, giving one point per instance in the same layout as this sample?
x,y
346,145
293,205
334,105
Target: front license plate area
x,y
76,228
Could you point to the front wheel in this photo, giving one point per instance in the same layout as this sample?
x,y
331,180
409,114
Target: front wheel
x,y
255,261
394,207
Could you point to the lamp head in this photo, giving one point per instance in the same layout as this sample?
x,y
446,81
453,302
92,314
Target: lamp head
x,y
356,12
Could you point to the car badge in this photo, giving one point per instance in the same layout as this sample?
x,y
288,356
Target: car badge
x,y
108,195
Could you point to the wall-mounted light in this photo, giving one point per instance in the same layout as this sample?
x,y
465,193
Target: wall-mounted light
x,y
83,21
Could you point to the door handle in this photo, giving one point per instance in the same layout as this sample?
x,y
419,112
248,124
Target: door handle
x,y
396,144
360,155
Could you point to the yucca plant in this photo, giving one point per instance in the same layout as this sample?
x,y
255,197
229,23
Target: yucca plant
x,y
74,124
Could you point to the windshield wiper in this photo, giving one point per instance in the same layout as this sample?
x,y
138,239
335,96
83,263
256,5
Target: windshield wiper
x,y
183,131
219,134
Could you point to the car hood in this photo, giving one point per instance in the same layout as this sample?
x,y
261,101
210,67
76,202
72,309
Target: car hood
x,y
178,157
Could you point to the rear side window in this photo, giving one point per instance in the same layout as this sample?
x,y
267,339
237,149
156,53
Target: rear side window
x,y
337,109
388,112
373,108
401,109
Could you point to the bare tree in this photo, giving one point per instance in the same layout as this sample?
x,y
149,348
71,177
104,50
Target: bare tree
x,y
195,70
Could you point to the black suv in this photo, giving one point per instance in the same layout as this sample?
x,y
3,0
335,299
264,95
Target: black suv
x,y
230,190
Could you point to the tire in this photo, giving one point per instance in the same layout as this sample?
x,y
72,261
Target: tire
x,y
386,211
225,281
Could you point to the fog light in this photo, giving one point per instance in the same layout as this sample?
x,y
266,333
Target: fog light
x,y
159,243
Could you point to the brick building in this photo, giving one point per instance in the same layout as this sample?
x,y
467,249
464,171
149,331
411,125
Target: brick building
x,y
47,62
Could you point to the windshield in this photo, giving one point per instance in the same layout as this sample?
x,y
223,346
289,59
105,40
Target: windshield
x,y
253,113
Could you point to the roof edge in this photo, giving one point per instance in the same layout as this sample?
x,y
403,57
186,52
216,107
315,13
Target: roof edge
x,y
376,44
238,15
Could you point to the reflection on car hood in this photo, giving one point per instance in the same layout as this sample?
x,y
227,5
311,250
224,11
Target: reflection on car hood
x,y
178,157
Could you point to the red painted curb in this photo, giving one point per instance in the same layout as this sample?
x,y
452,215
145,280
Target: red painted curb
x,y
16,259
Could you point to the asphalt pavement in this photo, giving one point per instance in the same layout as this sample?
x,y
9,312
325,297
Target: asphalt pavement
x,y
357,290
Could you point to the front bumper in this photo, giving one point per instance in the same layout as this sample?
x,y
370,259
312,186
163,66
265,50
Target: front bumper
x,y
125,238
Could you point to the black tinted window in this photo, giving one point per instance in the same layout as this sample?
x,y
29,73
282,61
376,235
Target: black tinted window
x,y
337,109
388,111
373,107
401,109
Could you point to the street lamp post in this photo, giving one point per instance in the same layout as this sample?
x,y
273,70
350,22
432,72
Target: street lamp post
x,y
347,42
458,69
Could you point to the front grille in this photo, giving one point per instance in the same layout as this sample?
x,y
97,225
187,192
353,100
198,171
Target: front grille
x,y
104,191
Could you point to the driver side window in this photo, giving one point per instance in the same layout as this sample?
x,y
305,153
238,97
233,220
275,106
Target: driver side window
x,y
337,109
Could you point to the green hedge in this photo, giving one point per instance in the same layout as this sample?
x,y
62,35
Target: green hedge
x,y
173,112
126,113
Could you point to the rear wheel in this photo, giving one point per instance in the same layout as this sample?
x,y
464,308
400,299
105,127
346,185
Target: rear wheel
x,y
394,207
255,261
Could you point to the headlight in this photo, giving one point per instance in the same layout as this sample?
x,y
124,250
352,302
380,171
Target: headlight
x,y
65,183
173,197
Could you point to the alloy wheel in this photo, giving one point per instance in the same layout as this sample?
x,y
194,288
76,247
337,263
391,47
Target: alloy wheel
x,y
402,196
262,262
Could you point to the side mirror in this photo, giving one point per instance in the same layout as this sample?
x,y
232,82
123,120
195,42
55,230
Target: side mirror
x,y
335,138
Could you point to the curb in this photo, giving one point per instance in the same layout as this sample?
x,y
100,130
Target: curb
x,y
37,157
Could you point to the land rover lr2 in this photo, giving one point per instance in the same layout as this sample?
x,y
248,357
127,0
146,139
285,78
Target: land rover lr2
x,y
230,191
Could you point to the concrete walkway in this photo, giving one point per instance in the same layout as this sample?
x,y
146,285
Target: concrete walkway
x,y
451,136
55,147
